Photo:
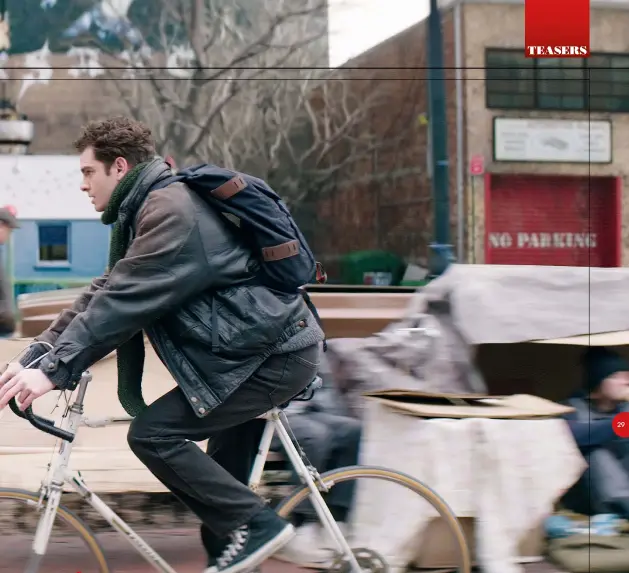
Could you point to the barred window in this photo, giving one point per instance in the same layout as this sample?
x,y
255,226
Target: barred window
x,y
599,83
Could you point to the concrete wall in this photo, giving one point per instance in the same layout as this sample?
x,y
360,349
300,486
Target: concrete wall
x,y
60,107
502,25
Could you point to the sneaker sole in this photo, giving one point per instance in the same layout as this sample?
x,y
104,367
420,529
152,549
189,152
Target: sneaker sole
x,y
304,564
282,538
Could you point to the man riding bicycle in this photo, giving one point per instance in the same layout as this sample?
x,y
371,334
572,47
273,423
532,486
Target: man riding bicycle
x,y
179,274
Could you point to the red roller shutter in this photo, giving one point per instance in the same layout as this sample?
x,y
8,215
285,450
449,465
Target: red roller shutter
x,y
552,220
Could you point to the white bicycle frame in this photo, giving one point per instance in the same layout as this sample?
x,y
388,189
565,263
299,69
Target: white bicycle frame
x,y
58,474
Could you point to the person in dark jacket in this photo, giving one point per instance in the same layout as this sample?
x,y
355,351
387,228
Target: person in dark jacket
x,y
330,437
173,263
604,487
8,222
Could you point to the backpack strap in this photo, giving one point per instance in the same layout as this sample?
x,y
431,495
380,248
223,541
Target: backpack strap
x,y
321,278
279,252
315,313
166,182
229,188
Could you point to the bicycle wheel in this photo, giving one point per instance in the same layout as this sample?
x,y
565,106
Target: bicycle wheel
x,y
369,558
72,546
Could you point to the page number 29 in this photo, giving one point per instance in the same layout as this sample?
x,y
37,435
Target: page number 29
x,y
620,424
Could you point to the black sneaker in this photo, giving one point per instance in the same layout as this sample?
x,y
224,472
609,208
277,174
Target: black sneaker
x,y
252,544
214,547
212,564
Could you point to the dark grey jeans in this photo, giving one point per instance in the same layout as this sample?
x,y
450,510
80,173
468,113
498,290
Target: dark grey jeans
x,y
604,486
213,486
330,442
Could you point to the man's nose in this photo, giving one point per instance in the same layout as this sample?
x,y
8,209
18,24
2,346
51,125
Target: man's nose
x,y
85,187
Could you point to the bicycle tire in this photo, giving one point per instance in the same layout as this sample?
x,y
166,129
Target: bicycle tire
x,y
288,504
69,518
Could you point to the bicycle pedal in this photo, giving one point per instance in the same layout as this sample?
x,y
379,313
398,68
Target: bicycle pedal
x,y
368,560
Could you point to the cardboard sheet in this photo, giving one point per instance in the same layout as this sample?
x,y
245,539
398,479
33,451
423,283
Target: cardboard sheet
x,y
434,405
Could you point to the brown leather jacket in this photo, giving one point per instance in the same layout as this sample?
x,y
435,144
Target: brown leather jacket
x,y
184,282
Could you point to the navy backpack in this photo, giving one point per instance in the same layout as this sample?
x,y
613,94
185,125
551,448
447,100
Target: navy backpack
x,y
286,262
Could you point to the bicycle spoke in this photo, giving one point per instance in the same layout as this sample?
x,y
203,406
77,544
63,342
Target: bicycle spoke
x,y
68,544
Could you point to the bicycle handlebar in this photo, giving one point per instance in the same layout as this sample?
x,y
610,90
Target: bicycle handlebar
x,y
43,424
48,426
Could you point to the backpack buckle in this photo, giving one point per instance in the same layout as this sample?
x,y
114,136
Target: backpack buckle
x,y
321,276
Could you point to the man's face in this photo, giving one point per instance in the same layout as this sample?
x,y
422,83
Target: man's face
x,y
5,233
615,387
98,181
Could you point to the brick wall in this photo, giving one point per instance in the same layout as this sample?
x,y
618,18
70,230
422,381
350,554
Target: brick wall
x,y
385,201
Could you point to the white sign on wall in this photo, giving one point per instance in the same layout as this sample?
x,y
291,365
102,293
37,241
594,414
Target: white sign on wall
x,y
44,187
554,141
542,240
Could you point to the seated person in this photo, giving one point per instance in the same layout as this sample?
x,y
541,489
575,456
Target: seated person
x,y
604,487
8,223
330,439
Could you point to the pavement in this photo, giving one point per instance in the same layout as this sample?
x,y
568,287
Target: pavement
x,y
109,467
180,548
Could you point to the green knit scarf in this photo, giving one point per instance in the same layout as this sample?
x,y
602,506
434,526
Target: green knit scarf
x,y
130,356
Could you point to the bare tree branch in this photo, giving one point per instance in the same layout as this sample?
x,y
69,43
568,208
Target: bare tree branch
x,y
244,84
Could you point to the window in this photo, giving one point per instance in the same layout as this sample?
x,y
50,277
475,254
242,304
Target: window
x,y
561,84
609,83
510,79
600,83
54,245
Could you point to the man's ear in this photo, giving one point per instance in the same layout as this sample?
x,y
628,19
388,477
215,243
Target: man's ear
x,y
121,166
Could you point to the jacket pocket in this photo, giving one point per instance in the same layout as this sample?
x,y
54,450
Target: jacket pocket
x,y
223,332
308,357
299,371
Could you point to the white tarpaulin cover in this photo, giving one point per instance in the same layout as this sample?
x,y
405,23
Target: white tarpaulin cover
x,y
430,348
506,474
509,303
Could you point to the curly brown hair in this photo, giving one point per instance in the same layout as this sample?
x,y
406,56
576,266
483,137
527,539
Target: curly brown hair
x,y
117,137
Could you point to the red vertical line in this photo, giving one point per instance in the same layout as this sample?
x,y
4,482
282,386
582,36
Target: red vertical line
x,y
618,188
487,220
589,116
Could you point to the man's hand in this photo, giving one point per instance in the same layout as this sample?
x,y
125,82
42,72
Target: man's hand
x,y
10,370
27,385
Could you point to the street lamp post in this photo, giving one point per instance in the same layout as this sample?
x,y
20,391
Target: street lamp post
x,y
16,131
441,253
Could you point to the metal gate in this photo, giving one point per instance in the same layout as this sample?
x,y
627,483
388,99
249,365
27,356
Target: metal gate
x,y
553,220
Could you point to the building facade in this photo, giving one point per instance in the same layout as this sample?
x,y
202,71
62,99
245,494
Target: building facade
x,y
553,136
61,240
538,152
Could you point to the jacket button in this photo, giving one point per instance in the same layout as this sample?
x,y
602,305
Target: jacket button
x,y
201,410
51,366
193,400
301,324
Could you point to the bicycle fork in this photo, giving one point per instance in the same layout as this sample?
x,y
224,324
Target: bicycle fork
x,y
51,492
44,529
